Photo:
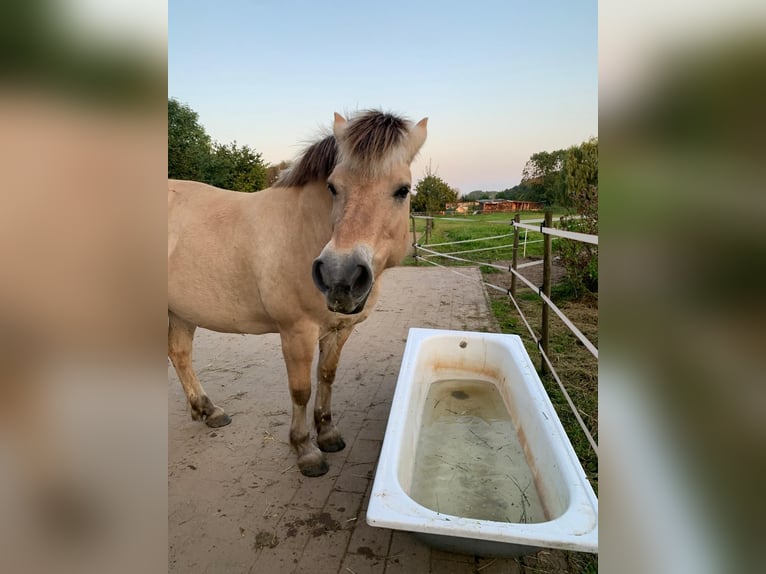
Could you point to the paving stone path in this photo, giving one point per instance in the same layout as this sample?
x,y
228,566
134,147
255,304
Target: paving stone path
x,y
236,502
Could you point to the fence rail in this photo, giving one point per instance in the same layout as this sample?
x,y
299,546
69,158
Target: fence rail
x,y
543,291
584,237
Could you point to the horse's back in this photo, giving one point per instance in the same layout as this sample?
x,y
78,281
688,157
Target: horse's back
x,y
188,193
198,211
210,279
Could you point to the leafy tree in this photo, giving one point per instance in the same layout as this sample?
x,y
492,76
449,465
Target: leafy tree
x,y
189,146
520,191
193,155
581,177
581,169
481,194
238,168
432,194
543,175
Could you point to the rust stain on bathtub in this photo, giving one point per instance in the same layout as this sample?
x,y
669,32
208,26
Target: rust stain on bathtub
x,y
449,364
535,471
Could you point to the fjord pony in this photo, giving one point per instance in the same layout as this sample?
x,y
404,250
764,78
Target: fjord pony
x,y
301,259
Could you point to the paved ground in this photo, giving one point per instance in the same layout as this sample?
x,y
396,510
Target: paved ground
x,y
236,501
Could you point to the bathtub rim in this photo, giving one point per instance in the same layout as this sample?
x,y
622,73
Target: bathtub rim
x,y
391,507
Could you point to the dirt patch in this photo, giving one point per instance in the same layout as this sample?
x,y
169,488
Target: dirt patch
x,y
320,523
265,539
367,552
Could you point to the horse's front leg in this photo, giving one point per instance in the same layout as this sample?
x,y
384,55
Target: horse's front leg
x,y
180,339
298,350
330,346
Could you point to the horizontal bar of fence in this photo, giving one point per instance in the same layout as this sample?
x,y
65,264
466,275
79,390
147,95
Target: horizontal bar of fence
x,y
469,240
481,239
571,404
542,220
530,264
440,218
449,269
500,267
572,327
496,248
584,237
464,219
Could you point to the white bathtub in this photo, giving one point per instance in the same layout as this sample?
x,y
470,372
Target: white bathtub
x,y
568,509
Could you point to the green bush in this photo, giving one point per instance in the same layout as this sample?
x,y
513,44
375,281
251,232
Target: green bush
x,y
581,259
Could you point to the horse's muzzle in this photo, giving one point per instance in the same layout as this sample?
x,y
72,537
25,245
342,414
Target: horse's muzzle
x,y
345,279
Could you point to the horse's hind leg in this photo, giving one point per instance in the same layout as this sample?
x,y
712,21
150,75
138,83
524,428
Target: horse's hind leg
x,y
330,346
180,338
298,350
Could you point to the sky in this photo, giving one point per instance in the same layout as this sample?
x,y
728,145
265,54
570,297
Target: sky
x,y
498,80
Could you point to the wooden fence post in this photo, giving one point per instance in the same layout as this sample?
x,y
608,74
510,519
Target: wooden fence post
x,y
547,261
414,241
514,263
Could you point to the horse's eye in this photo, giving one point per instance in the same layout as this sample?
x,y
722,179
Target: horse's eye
x,y
332,189
402,192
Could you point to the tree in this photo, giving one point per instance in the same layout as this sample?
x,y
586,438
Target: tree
x,y
481,194
581,177
520,191
193,155
189,146
581,171
543,174
432,194
238,168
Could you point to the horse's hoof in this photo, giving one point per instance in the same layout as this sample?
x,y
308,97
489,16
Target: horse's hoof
x,y
333,443
218,420
314,469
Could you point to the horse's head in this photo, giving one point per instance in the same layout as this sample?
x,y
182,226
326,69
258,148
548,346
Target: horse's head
x,y
370,186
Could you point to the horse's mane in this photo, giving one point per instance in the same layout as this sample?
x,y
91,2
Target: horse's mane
x,y
315,163
368,139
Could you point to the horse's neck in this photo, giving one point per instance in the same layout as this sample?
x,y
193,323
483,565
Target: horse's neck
x,y
314,207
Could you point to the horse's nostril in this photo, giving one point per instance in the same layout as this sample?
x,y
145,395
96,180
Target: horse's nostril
x,y
316,275
361,281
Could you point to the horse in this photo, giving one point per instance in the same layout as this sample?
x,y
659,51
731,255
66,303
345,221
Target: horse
x,y
301,258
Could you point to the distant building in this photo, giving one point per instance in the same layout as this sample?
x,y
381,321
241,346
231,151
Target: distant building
x,y
462,207
494,206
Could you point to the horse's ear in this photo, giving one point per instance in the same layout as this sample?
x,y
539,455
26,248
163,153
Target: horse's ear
x,y
418,137
339,126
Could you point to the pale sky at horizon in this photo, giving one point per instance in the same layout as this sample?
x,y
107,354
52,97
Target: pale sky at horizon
x,y
498,80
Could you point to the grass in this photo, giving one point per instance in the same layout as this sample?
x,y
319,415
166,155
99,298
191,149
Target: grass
x,y
471,227
576,367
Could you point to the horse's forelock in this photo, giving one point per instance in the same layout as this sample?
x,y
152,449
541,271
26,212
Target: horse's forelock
x,y
369,140
372,137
